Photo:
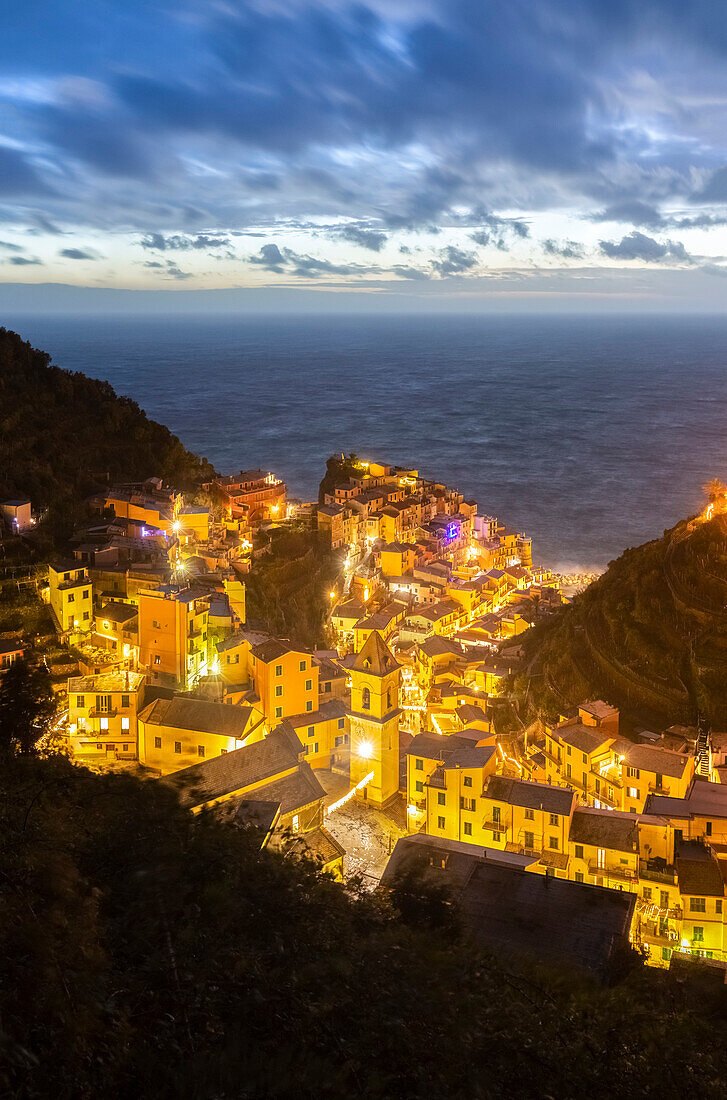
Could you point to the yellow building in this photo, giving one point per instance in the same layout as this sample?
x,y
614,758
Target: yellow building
x,y
397,558
324,733
175,733
652,769
285,679
445,777
102,716
375,677
195,521
583,757
116,628
173,635
150,507
71,597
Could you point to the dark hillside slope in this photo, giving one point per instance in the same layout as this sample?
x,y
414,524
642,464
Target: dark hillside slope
x,y
63,434
649,636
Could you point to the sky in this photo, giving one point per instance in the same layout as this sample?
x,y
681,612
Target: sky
x,y
436,153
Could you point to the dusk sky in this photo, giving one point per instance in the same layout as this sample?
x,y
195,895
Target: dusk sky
x,y
527,152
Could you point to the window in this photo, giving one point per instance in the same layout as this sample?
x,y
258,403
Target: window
x,y
530,815
124,748
659,780
302,666
697,905
309,705
664,899
568,771
632,792
419,765
157,742
440,822
296,822
567,750
647,893
468,828
529,840
585,758
124,723
177,746
579,876
103,723
80,700
315,747
718,905
157,659
124,700
86,593
71,598
366,699
441,798
341,723
200,750
708,828
666,953
553,819
309,685
278,691
156,625
496,814
223,752
278,712
419,786
553,842
99,745
601,857
632,773
579,851
278,670
698,934
86,616
467,781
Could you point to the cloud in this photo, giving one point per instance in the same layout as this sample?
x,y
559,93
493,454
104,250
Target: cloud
x,y
78,254
637,246
169,268
568,250
17,175
454,261
303,266
631,212
715,189
10,247
367,238
180,243
25,261
270,257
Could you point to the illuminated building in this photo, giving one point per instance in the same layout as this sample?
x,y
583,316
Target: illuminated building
x,y
178,732
102,716
173,635
71,597
374,721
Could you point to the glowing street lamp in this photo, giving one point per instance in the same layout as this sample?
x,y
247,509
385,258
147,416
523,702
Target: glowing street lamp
x,y
365,750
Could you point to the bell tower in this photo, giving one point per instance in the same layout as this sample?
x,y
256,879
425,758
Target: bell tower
x,y
375,714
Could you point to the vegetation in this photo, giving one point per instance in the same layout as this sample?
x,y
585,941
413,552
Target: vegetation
x,y
287,590
338,468
145,952
649,636
62,434
27,708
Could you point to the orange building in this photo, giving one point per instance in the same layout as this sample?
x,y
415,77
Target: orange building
x,y
285,679
173,635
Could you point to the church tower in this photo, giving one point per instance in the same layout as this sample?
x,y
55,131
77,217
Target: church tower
x,y
375,721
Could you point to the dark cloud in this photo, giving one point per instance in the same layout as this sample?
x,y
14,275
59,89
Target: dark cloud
x,y
77,254
180,243
454,261
404,271
637,246
25,261
169,268
18,177
631,212
367,238
270,257
715,189
10,247
568,250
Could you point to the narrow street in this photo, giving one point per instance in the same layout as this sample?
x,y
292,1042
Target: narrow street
x,y
368,834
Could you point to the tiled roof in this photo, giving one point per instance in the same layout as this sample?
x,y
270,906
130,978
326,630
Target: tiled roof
x,y
605,829
531,796
201,715
374,657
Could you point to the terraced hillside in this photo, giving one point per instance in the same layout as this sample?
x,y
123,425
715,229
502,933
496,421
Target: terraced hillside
x,y
649,636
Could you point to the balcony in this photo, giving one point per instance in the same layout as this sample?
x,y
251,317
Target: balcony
x,y
495,826
611,870
658,788
657,871
96,713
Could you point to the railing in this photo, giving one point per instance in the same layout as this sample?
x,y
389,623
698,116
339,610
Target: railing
x,y
96,713
495,826
658,788
628,874
667,875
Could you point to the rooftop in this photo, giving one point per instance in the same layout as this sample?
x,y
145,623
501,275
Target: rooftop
x,y
202,715
529,795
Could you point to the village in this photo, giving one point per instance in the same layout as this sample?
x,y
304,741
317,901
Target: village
x,y
381,744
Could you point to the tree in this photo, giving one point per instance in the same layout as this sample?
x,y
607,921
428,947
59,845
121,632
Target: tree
x,y
27,707
715,489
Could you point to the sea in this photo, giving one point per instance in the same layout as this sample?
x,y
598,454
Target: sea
x,y
591,434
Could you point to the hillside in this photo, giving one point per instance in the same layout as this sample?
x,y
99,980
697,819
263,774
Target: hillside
x,y
145,952
62,434
649,636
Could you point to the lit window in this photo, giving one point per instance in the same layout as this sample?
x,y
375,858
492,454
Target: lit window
x,y
296,822
103,723
157,659
124,723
